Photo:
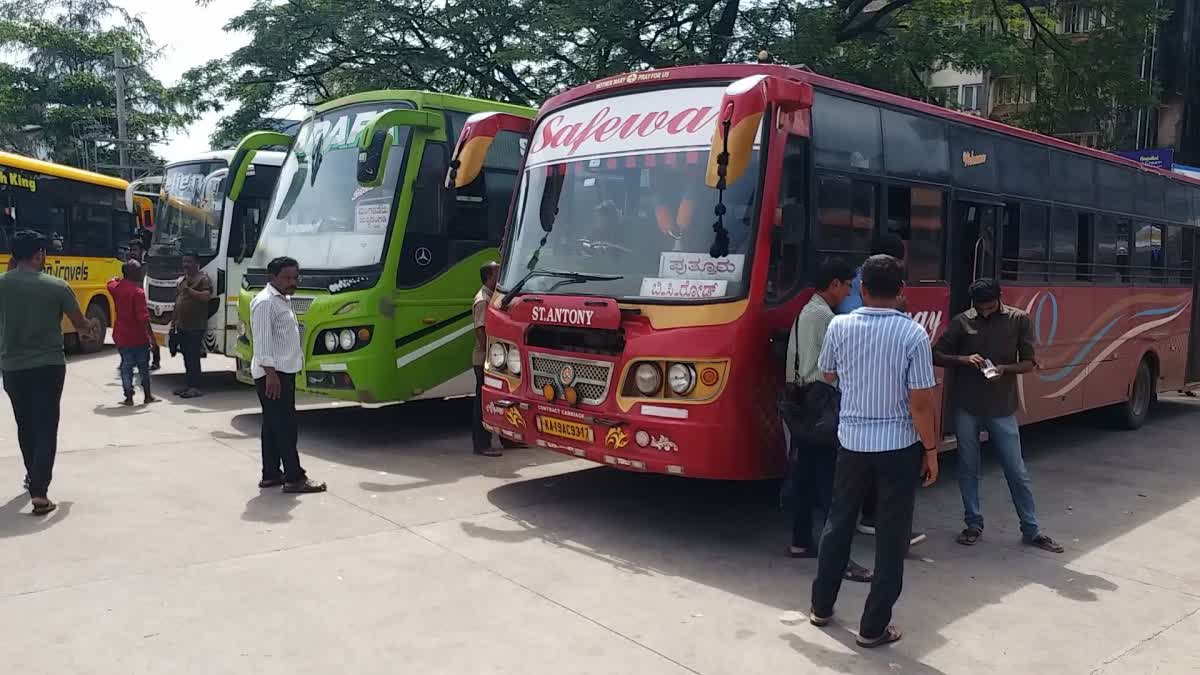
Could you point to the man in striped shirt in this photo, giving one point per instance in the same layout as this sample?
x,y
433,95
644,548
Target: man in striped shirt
x,y
278,357
884,366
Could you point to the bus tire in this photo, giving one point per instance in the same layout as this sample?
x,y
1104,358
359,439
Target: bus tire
x,y
1141,397
97,317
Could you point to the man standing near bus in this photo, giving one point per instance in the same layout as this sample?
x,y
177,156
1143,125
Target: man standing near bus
x,y
32,305
882,361
191,320
987,348
814,457
278,357
489,274
137,251
131,331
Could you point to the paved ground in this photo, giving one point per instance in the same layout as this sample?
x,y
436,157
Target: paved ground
x,y
165,558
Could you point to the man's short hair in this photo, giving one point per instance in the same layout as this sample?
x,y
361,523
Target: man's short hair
x,y
830,270
190,254
984,290
883,276
131,268
888,244
136,242
276,266
27,243
487,269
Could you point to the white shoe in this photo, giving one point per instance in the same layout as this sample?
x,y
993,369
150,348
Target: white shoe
x,y
864,528
917,538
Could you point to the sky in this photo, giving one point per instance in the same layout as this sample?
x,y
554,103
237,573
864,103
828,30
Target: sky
x,y
190,36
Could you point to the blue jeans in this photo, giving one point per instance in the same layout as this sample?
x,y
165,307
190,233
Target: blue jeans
x,y
130,357
1005,436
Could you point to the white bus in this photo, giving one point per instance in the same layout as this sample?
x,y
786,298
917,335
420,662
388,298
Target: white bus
x,y
196,215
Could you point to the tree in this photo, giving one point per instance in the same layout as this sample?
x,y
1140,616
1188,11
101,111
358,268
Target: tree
x,y
61,85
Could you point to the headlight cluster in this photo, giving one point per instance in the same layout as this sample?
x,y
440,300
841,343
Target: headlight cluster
x,y
680,378
504,356
339,340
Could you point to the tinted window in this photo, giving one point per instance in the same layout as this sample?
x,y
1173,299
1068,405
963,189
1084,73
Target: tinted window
x,y
1024,168
1064,245
1177,261
1148,253
789,226
1025,249
455,122
973,159
915,147
845,217
846,134
1072,177
915,215
1149,196
425,251
1124,249
1115,186
1179,202
507,151
1106,269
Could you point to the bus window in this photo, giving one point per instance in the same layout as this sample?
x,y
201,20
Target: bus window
x,y
845,218
1064,246
1025,256
787,236
424,254
1148,254
915,215
1124,250
1084,246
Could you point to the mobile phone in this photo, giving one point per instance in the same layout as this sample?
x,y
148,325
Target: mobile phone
x,y
990,371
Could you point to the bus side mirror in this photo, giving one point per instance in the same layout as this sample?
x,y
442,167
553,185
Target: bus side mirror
x,y
476,139
376,141
244,156
740,115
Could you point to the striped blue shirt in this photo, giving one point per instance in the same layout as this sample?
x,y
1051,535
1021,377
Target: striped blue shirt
x,y
878,355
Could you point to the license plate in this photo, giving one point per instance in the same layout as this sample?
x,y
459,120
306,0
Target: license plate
x,y
564,429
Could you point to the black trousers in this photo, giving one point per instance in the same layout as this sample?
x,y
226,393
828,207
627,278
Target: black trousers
x,y
191,342
480,437
279,431
893,476
812,476
36,394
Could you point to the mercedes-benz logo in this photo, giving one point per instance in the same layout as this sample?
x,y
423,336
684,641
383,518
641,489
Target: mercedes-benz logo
x,y
423,256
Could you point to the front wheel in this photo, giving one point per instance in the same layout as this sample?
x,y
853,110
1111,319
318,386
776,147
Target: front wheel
x,y
97,320
1135,411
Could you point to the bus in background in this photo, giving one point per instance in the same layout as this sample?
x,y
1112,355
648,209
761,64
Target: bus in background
x,y
667,222
83,216
141,199
389,256
195,215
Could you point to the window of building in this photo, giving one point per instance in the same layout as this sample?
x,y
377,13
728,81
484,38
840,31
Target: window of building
x,y
945,96
845,218
916,216
1011,91
1080,18
972,97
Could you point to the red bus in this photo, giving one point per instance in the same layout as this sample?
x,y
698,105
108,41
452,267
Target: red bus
x,y
665,221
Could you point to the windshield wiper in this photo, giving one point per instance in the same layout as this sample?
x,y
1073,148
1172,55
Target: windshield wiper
x,y
567,277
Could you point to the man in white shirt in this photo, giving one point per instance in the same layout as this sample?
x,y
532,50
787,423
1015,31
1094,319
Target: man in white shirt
x,y
278,357
812,468
489,273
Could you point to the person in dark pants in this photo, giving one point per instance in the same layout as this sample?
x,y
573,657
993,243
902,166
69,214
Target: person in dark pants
x,y
278,357
985,349
813,463
191,320
32,305
131,330
489,273
884,366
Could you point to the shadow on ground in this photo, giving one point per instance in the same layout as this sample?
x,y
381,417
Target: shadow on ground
x,y
730,536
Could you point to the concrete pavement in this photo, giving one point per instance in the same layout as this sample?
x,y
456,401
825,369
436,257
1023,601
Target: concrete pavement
x,y
165,558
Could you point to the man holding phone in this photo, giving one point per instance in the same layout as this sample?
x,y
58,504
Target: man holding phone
x,y
986,348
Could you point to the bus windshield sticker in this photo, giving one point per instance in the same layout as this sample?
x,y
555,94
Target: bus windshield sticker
x,y
371,218
684,289
214,239
700,266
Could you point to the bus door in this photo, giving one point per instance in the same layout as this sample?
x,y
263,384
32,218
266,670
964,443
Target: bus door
x,y
1192,259
972,253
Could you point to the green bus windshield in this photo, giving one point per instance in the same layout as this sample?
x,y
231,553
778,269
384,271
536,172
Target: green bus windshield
x,y
320,215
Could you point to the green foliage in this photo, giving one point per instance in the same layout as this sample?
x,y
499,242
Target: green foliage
x,y
522,51
59,78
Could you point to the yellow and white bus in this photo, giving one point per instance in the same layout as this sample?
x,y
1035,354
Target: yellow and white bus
x,y
84,218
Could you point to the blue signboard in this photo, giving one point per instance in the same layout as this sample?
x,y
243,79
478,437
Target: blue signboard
x,y
1162,158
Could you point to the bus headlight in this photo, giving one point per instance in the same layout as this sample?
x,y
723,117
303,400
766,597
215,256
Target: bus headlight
x,y
346,339
497,355
514,361
331,341
648,379
681,377
340,340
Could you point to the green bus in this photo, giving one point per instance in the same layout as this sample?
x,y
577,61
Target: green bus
x,y
389,255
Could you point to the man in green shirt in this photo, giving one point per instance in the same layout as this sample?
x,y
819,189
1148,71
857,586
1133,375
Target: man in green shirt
x,y
32,305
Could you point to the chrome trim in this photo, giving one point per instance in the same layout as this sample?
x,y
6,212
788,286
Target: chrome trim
x,y
591,381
